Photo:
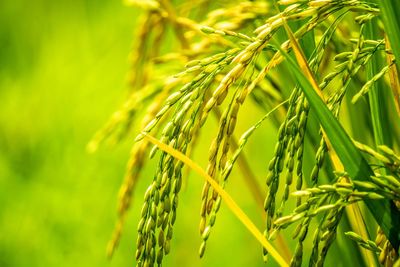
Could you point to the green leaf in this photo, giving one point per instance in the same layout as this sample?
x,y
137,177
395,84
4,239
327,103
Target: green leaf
x,y
376,95
391,21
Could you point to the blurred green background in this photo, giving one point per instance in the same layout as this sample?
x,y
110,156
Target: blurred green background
x,y
62,73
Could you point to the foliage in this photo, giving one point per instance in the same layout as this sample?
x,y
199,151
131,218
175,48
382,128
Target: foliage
x,y
326,71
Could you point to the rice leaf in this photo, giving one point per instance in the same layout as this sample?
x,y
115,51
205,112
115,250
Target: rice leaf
x,y
391,20
379,113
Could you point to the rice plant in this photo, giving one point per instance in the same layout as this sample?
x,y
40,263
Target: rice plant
x,y
323,71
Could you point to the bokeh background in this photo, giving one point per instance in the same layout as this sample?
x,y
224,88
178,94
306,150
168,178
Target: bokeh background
x,y
63,68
